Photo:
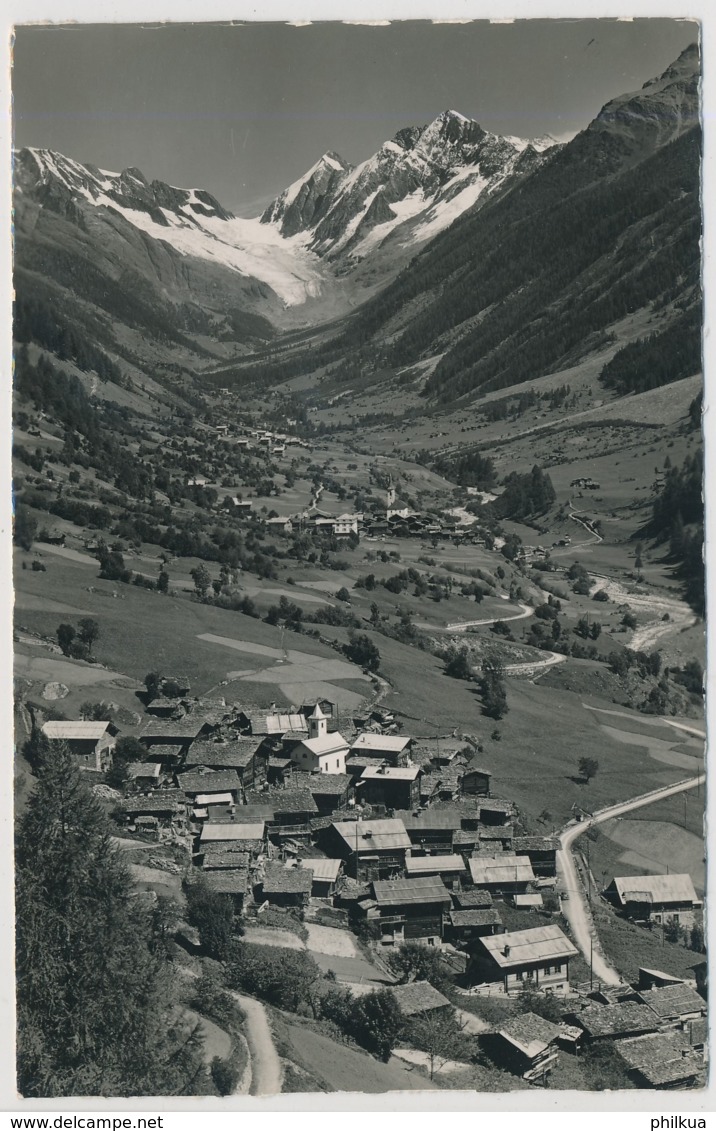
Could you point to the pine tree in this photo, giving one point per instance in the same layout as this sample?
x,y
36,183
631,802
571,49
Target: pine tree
x,y
96,1011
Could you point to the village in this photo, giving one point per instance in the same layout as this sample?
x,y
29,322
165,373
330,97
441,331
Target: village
x,y
348,824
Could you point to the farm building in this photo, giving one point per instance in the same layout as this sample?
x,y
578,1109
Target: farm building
x,y
391,748
226,782
233,882
676,1004
247,757
321,752
163,708
662,1060
293,811
392,787
540,954
464,926
451,870
475,781
143,773
330,791
223,833
656,899
372,849
165,804
279,725
286,886
493,811
623,1019
416,998
229,859
496,838
504,873
431,831
325,874
410,909
174,733
527,1045
542,853
89,743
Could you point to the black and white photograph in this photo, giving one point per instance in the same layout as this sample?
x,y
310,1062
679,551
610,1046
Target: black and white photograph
x,y
358,560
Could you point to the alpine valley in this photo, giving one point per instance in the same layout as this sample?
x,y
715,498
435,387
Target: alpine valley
x,y
384,502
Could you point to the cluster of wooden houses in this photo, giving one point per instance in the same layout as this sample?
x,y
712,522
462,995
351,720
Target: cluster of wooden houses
x,y
400,834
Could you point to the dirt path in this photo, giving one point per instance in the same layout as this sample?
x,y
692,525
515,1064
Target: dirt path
x,y
576,908
646,636
535,665
266,1076
463,625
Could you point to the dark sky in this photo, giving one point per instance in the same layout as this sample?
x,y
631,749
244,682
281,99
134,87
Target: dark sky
x,y
244,110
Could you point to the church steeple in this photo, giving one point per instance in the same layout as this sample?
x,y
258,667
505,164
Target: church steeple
x,y
317,722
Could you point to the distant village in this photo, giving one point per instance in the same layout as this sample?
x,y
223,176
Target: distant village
x,y
399,838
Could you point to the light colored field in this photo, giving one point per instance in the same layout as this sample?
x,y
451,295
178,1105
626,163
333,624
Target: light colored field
x,y
48,669
40,603
653,847
298,668
331,940
658,748
344,1069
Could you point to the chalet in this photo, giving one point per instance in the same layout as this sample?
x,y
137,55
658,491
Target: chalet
x,y
656,899
539,954
418,998
174,732
662,1060
529,899
624,1019
175,686
677,1004
474,898
225,783
167,805
247,757
329,709
233,882
287,812
166,755
432,830
244,835
452,870
286,885
496,838
229,859
393,787
321,752
331,791
279,770
90,743
143,773
410,909
542,853
213,806
391,748
163,708
527,1045
282,523
506,873
464,926
279,725
238,506
372,850
197,481
325,875
475,781
495,812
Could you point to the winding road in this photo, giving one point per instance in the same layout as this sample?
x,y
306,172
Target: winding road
x,y
266,1076
576,908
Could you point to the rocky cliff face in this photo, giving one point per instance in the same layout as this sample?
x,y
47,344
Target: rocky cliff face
x,y
415,185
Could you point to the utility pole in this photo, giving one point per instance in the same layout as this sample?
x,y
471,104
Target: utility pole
x,y
591,966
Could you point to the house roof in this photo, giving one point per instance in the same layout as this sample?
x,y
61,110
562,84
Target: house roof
x,y
368,836
674,888
661,1058
536,944
494,805
500,869
366,742
68,730
431,820
529,899
475,917
213,799
475,898
387,893
536,844
390,773
435,865
232,830
187,728
530,1033
612,1020
159,800
213,782
278,723
293,801
165,750
215,858
669,1002
325,743
496,832
322,785
232,881
418,997
143,770
322,868
225,755
278,879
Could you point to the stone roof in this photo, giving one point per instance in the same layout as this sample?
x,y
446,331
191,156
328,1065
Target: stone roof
x,y
418,997
279,880
216,781
503,869
388,893
475,917
661,1058
533,946
613,1020
670,1002
475,898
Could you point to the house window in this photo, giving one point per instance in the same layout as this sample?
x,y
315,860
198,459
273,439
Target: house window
x,y
548,970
